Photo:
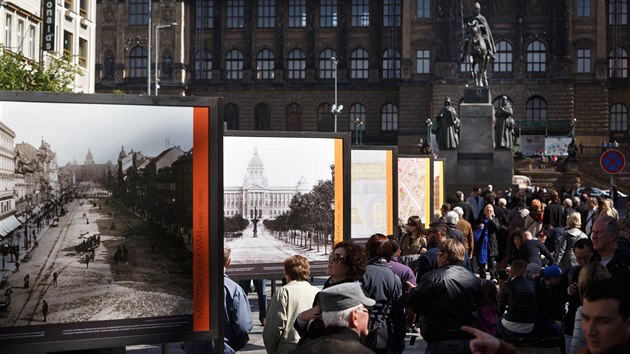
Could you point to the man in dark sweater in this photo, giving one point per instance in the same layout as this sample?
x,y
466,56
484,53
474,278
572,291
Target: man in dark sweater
x,y
554,213
532,248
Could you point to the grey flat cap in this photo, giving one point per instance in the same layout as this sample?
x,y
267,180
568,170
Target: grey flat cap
x,y
344,296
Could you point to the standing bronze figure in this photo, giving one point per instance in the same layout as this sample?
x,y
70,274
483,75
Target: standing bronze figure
x,y
447,127
505,125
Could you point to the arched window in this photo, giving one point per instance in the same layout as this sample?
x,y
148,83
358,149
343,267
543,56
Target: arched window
x,y
325,120
234,65
138,62
359,64
536,110
231,116
326,66
294,117
503,57
203,65
391,64
619,118
389,117
297,64
618,63
536,57
357,114
264,64
262,117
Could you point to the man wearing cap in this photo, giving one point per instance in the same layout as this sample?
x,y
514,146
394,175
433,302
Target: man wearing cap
x,y
549,304
346,317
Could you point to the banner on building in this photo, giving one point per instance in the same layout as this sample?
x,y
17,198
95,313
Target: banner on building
x,y
49,25
557,145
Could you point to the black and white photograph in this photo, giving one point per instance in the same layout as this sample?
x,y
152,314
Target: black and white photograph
x,y
279,200
96,218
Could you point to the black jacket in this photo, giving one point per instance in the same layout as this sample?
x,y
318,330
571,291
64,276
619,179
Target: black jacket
x,y
447,299
519,296
555,215
337,339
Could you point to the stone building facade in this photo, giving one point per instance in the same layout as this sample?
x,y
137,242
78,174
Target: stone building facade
x,y
562,64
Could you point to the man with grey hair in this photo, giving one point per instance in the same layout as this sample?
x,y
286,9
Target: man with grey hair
x,y
346,317
466,229
451,220
466,207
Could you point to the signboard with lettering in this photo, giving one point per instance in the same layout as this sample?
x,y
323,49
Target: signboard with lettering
x,y
49,25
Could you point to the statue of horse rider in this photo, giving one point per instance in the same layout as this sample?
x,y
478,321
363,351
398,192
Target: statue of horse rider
x,y
486,33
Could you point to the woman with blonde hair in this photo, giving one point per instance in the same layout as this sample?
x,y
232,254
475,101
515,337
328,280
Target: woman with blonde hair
x,y
297,295
564,244
606,207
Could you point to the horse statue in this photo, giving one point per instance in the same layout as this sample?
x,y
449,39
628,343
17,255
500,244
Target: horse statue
x,y
476,54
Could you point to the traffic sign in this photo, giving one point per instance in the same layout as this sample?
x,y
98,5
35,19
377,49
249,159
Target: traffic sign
x,y
612,161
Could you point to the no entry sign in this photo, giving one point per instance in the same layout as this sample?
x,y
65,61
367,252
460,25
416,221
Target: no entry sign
x,y
612,161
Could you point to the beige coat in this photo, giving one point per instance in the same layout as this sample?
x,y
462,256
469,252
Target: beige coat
x,y
279,335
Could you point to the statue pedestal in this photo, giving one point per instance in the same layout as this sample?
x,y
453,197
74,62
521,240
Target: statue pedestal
x,y
476,162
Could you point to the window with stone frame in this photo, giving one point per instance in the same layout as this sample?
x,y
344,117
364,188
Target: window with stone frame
x,y
618,63
231,116
583,8
138,62
297,13
296,64
203,65
262,117
138,12
391,13
264,64
204,14
503,57
235,14
359,64
234,65
536,56
619,118
389,117
617,12
325,120
266,14
423,61
294,117
391,64
326,66
360,13
583,56
536,110
356,114
328,13
423,9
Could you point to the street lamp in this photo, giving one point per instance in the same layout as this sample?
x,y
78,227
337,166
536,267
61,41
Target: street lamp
x,y
429,125
358,124
335,109
157,52
573,124
149,52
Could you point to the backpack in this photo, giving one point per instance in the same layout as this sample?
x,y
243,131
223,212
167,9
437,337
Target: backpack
x,y
240,337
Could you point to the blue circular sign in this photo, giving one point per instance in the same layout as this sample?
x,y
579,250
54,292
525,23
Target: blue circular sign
x,y
612,161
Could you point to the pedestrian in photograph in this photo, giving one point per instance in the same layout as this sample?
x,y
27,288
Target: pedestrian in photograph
x,y
55,275
87,261
27,278
17,266
45,310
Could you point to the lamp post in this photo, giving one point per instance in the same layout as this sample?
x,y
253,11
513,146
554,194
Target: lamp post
x,y
573,124
429,125
335,109
358,124
149,52
157,52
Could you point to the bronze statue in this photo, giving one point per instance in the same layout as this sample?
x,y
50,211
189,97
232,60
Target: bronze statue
x,y
504,125
447,127
479,47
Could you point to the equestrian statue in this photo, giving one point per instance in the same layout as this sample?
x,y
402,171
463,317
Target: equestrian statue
x,y
479,48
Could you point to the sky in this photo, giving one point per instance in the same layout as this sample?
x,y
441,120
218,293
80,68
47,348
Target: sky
x,y
285,159
72,129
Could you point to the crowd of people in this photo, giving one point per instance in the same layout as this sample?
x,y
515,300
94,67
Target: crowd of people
x,y
487,273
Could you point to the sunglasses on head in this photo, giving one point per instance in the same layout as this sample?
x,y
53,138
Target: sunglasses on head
x,y
337,258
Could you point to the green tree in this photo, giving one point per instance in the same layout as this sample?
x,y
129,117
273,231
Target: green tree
x,y
19,74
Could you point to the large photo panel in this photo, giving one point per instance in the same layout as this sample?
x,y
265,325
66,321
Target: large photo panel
x,y
107,206
414,186
284,194
373,190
